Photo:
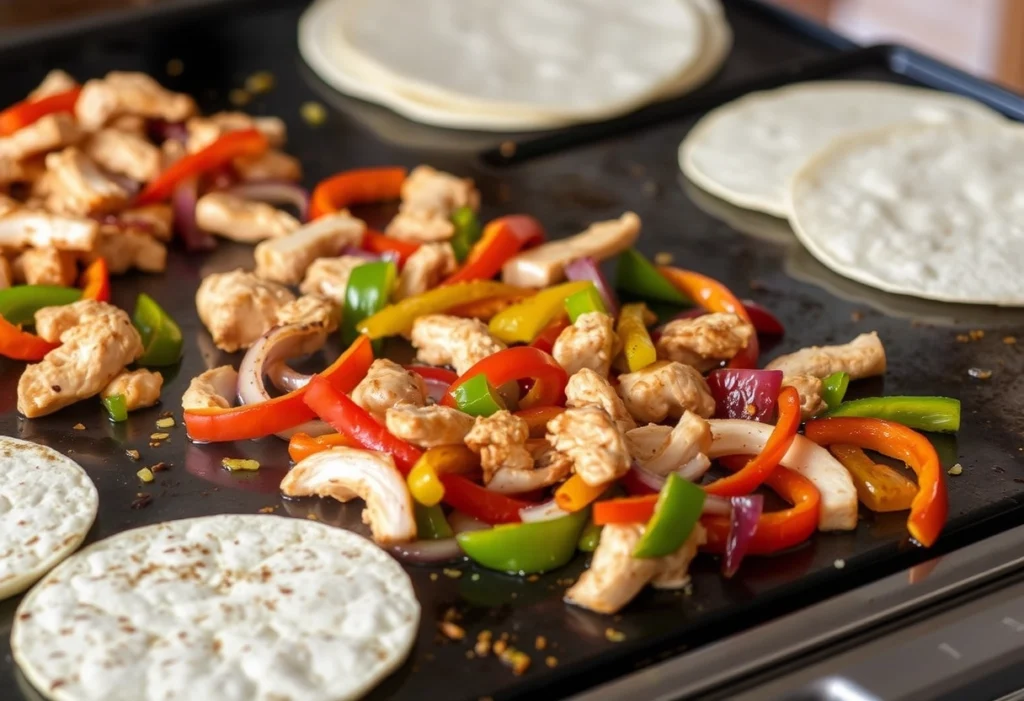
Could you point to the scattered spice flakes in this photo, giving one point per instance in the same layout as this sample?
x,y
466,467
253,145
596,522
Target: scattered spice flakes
x,y
79,427
1010,340
175,67
312,517
518,660
133,454
159,436
962,338
145,474
483,643
856,316
957,469
541,642
239,97
141,501
499,647
551,661
260,82
313,113
452,574
236,464
533,578
452,631
268,509
614,636
165,422
160,467
976,334
663,258
507,149
979,373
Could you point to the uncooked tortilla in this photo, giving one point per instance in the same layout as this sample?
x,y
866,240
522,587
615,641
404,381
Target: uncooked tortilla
x,y
746,151
933,211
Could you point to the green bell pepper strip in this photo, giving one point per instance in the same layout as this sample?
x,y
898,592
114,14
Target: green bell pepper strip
x,y
526,548
833,388
116,407
368,290
590,537
935,414
431,523
583,302
476,397
637,276
161,337
467,232
675,514
19,304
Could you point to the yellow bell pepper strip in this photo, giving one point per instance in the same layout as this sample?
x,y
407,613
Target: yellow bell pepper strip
x,y
367,293
879,487
19,304
476,397
677,511
523,322
833,389
352,187
467,232
931,505
96,281
525,548
590,538
638,276
302,445
398,318
519,363
451,460
935,414
503,238
161,337
431,523
116,407
637,345
583,302
424,485
575,494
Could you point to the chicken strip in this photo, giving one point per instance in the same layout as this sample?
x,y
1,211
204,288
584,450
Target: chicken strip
x,y
46,266
242,220
429,197
56,81
213,389
862,357
52,322
286,259
156,220
24,227
549,467
588,343
705,341
450,340
91,354
140,388
594,443
664,390
77,186
124,249
121,93
311,309
269,165
425,269
6,274
203,131
386,385
588,388
237,307
328,277
428,426
501,441
809,388
52,132
125,153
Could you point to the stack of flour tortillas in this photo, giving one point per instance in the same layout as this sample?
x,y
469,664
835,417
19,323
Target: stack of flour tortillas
x,y
907,190
514,66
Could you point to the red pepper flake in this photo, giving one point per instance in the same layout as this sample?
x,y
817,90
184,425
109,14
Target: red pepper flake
x,y
159,467
141,501
452,631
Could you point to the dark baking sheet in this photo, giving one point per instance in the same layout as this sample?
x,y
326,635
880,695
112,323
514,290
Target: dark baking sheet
x,y
566,189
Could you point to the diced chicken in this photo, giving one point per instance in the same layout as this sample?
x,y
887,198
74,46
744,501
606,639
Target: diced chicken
x,y
388,384
448,340
329,277
156,220
77,186
52,322
125,249
428,426
429,197
549,467
52,132
421,227
425,269
809,388
285,259
593,441
681,449
203,131
348,473
26,227
11,171
6,274
501,441
237,307
664,390
588,343
270,165
705,341
213,389
242,220
545,264
588,388
140,388
124,153
91,354
56,81
673,570
121,93
862,357
129,123
46,266
311,309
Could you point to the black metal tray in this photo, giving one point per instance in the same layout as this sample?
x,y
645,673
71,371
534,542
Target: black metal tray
x,y
587,174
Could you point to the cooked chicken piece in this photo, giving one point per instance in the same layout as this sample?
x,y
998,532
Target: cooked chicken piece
x,y
6,274
77,186
125,249
203,131
862,357
26,227
56,81
329,277
593,441
428,426
130,124
500,440
682,449
125,153
425,269
549,467
347,473
673,570
91,354
386,385
140,388
52,132
242,220
121,93
311,309
237,307
448,340
156,220
11,171
664,390
429,197
588,388
214,389
52,322
46,266
705,341
588,343
545,264
285,259
421,227
809,388
270,165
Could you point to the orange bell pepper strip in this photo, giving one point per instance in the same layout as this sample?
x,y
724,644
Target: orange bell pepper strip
x,y
537,418
502,239
376,242
95,281
479,502
714,297
930,507
280,413
760,468
27,112
879,487
22,345
302,445
244,142
575,494
519,363
352,187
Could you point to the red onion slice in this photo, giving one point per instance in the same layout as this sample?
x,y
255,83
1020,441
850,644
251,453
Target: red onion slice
x,y
161,131
428,552
746,511
736,391
547,511
184,203
275,192
588,269
716,506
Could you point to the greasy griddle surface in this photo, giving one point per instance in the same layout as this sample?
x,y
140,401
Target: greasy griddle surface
x,y
566,191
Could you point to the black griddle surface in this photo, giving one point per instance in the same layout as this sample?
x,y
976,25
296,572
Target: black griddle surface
x,y
566,190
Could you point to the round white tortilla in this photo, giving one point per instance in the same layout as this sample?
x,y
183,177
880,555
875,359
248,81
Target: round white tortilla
x,y
47,506
223,607
746,151
933,211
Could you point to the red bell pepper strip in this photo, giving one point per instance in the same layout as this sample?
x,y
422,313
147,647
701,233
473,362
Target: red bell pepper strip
x,y
714,297
244,142
636,486
95,281
280,413
930,507
22,345
760,468
27,112
625,510
376,242
503,238
479,502
546,340
352,187
515,364
429,372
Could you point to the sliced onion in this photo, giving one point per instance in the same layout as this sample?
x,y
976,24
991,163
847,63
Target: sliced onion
x,y
716,506
276,192
184,202
127,184
548,511
464,523
285,378
428,552
746,511
736,390
588,269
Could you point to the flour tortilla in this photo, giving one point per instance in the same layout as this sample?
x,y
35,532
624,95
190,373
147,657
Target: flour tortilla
x,y
225,607
47,505
932,211
746,151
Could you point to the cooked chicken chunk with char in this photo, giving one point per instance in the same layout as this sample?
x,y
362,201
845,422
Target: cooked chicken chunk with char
x,y
50,133
287,258
549,467
328,277
704,342
52,322
11,171
125,153
862,357
682,448
6,274
809,388
140,388
242,220
121,93
56,81
24,227
203,131
131,124
388,384
428,426
448,340
310,309
237,307
588,388
77,186
429,197
425,269
588,343
501,441
214,389
46,266
156,220
270,165
593,441
664,390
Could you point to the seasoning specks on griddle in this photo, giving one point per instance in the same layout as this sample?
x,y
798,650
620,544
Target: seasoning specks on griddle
x,y
979,373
